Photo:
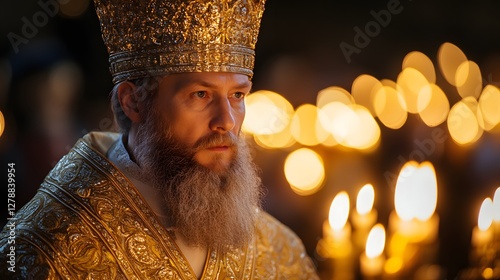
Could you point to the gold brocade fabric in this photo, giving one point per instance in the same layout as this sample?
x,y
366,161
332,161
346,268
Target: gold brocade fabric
x,y
157,37
88,221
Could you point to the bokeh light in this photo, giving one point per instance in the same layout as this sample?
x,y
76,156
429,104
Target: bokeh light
x,y
450,57
306,127
336,118
267,113
390,107
434,110
393,265
489,107
419,61
352,126
280,140
389,83
468,79
462,122
412,84
333,94
364,88
365,132
304,171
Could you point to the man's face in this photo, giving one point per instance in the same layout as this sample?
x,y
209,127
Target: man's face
x,y
187,145
196,105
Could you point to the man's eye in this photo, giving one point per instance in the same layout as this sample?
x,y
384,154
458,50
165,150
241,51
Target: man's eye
x,y
200,94
239,95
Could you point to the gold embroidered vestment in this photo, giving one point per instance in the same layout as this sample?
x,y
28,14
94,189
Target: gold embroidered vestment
x,y
87,221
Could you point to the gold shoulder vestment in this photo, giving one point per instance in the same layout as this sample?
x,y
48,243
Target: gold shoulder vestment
x,y
87,221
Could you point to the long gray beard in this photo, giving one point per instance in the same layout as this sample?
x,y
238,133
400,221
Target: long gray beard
x,y
212,209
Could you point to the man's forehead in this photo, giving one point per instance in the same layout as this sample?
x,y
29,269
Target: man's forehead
x,y
207,79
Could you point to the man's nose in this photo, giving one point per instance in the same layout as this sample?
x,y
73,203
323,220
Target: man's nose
x,y
223,116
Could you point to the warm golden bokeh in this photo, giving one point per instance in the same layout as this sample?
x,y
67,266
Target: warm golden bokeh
x,y
488,110
306,128
390,107
422,63
413,84
333,94
433,109
393,265
450,57
468,79
280,140
389,83
266,113
364,88
304,171
364,134
335,118
342,118
462,122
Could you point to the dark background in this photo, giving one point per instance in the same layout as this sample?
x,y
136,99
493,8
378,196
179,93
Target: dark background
x,y
298,54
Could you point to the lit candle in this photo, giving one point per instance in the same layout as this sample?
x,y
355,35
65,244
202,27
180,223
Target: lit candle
x,y
336,241
365,216
496,213
372,260
337,230
415,230
414,224
416,200
482,234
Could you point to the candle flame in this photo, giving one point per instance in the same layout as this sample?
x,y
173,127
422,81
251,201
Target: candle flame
x,y
339,211
416,191
485,217
365,199
403,199
427,192
376,241
496,205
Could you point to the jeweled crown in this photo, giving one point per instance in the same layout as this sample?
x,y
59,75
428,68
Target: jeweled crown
x,y
156,37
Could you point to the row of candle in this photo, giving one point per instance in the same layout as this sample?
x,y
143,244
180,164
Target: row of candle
x,y
485,255
412,238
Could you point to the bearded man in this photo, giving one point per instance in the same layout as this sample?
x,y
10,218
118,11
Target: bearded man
x,y
175,195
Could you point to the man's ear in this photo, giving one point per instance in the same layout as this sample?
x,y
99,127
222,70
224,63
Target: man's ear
x,y
128,101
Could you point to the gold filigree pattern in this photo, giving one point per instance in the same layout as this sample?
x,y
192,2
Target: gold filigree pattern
x,y
87,221
155,37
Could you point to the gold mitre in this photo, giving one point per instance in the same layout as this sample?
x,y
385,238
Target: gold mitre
x,y
157,37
